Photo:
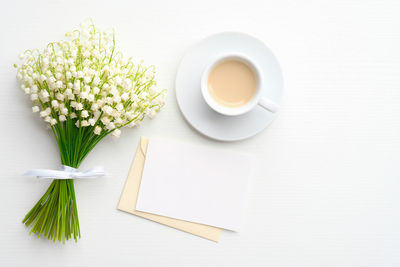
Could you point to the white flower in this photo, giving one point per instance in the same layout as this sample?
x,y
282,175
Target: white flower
x,y
151,113
72,115
59,84
97,114
159,101
116,113
35,109
77,85
110,126
124,96
84,95
152,91
96,90
34,97
116,132
144,95
68,92
105,120
130,115
45,112
92,121
54,103
109,100
97,130
118,121
52,80
84,123
84,114
86,53
79,106
119,107
34,89
60,96
106,68
100,102
62,118
53,122
107,109
116,99
94,107
96,53
45,61
90,97
42,78
64,111
127,83
44,94
96,81
134,98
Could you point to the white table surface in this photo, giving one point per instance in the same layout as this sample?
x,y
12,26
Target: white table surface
x,y
325,191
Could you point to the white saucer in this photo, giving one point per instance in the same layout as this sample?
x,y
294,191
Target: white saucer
x,y
199,114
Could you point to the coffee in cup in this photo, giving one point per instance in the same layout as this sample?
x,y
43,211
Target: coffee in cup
x,y
232,85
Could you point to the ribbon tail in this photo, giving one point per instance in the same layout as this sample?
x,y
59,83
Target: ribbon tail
x,y
48,174
92,173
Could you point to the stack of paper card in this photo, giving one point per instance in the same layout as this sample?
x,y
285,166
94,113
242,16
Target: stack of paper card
x,y
195,189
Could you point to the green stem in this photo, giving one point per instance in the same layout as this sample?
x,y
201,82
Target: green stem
x,y
55,215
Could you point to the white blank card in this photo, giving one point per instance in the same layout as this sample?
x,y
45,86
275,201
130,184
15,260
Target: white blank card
x,y
193,183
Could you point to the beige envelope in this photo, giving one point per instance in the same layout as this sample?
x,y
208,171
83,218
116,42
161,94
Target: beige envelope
x,y
129,195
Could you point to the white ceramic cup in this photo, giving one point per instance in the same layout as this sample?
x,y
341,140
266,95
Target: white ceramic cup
x,y
257,99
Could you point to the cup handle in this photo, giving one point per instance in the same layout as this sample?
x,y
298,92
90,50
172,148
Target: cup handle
x,y
268,104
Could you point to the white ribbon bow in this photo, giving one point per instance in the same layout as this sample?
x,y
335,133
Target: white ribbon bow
x,y
66,172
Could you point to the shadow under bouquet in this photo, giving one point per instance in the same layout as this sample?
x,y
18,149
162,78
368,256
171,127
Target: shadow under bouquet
x,y
84,90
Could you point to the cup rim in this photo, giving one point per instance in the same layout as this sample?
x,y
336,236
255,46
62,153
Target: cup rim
x,y
228,111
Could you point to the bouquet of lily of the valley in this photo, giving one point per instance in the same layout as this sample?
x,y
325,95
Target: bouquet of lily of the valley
x,y
84,90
